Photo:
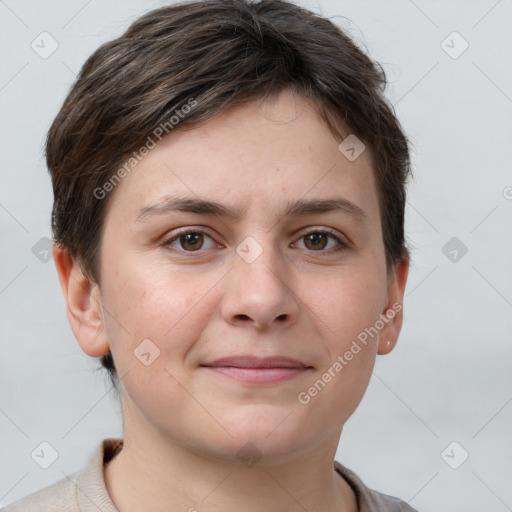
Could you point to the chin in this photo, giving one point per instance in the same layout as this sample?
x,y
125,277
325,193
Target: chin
x,y
273,438
248,451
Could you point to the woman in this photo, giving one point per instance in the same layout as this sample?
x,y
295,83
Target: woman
x,y
229,192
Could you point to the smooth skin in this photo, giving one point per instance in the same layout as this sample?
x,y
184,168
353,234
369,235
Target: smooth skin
x,y
197,300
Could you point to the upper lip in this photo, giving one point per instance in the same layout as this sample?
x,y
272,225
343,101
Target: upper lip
x,y
257,362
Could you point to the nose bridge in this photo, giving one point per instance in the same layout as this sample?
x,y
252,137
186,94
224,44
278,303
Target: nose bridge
x,y
258,284
259,260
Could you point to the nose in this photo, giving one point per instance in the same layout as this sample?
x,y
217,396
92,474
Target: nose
x,y
260,292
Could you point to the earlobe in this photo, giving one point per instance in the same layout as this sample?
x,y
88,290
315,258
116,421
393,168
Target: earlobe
x,y
392,315
385,346
83,304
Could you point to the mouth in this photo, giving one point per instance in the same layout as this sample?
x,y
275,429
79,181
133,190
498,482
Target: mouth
x,y
255,370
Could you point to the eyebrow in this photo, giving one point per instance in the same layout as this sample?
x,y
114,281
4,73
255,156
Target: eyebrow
x,y
299,208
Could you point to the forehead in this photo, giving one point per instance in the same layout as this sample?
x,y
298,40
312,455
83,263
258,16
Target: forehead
x,y
254,157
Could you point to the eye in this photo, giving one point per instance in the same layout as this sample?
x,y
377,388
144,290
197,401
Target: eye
x,y
317,241
193,240
189,241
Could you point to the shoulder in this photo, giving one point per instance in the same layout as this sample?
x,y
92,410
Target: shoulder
x,y
55,498
83,491
369,500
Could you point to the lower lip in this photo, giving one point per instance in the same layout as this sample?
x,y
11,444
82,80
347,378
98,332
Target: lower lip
x,y
258,375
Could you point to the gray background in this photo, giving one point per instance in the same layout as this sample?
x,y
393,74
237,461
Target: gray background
x,y
449,379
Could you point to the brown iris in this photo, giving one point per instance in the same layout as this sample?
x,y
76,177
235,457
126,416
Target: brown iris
x,y
316,239
191,241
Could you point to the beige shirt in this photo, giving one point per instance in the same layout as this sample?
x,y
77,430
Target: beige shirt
x,y
85,490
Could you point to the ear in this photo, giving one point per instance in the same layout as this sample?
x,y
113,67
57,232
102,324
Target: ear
x,y
392,315
83,304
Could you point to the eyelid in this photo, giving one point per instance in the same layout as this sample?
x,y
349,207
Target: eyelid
x,y
320,229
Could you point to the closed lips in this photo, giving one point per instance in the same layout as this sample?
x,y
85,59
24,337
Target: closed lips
x,y
254,362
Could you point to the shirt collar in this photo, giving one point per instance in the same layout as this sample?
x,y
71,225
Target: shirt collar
x,y
92,494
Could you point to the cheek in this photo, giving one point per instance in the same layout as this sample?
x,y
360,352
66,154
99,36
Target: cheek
x,y
167,310
347,308
347,302
164,307
348,305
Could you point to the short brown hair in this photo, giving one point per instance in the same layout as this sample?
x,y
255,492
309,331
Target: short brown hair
x,y
217,53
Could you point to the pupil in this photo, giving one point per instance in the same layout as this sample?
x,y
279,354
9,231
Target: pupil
x,y
191,239
316,238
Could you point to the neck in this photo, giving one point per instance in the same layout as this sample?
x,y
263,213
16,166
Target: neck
x,y
163,475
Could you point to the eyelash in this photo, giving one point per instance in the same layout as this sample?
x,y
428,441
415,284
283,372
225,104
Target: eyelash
x,y
342,246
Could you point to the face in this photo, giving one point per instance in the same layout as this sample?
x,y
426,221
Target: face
x,y
272,281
